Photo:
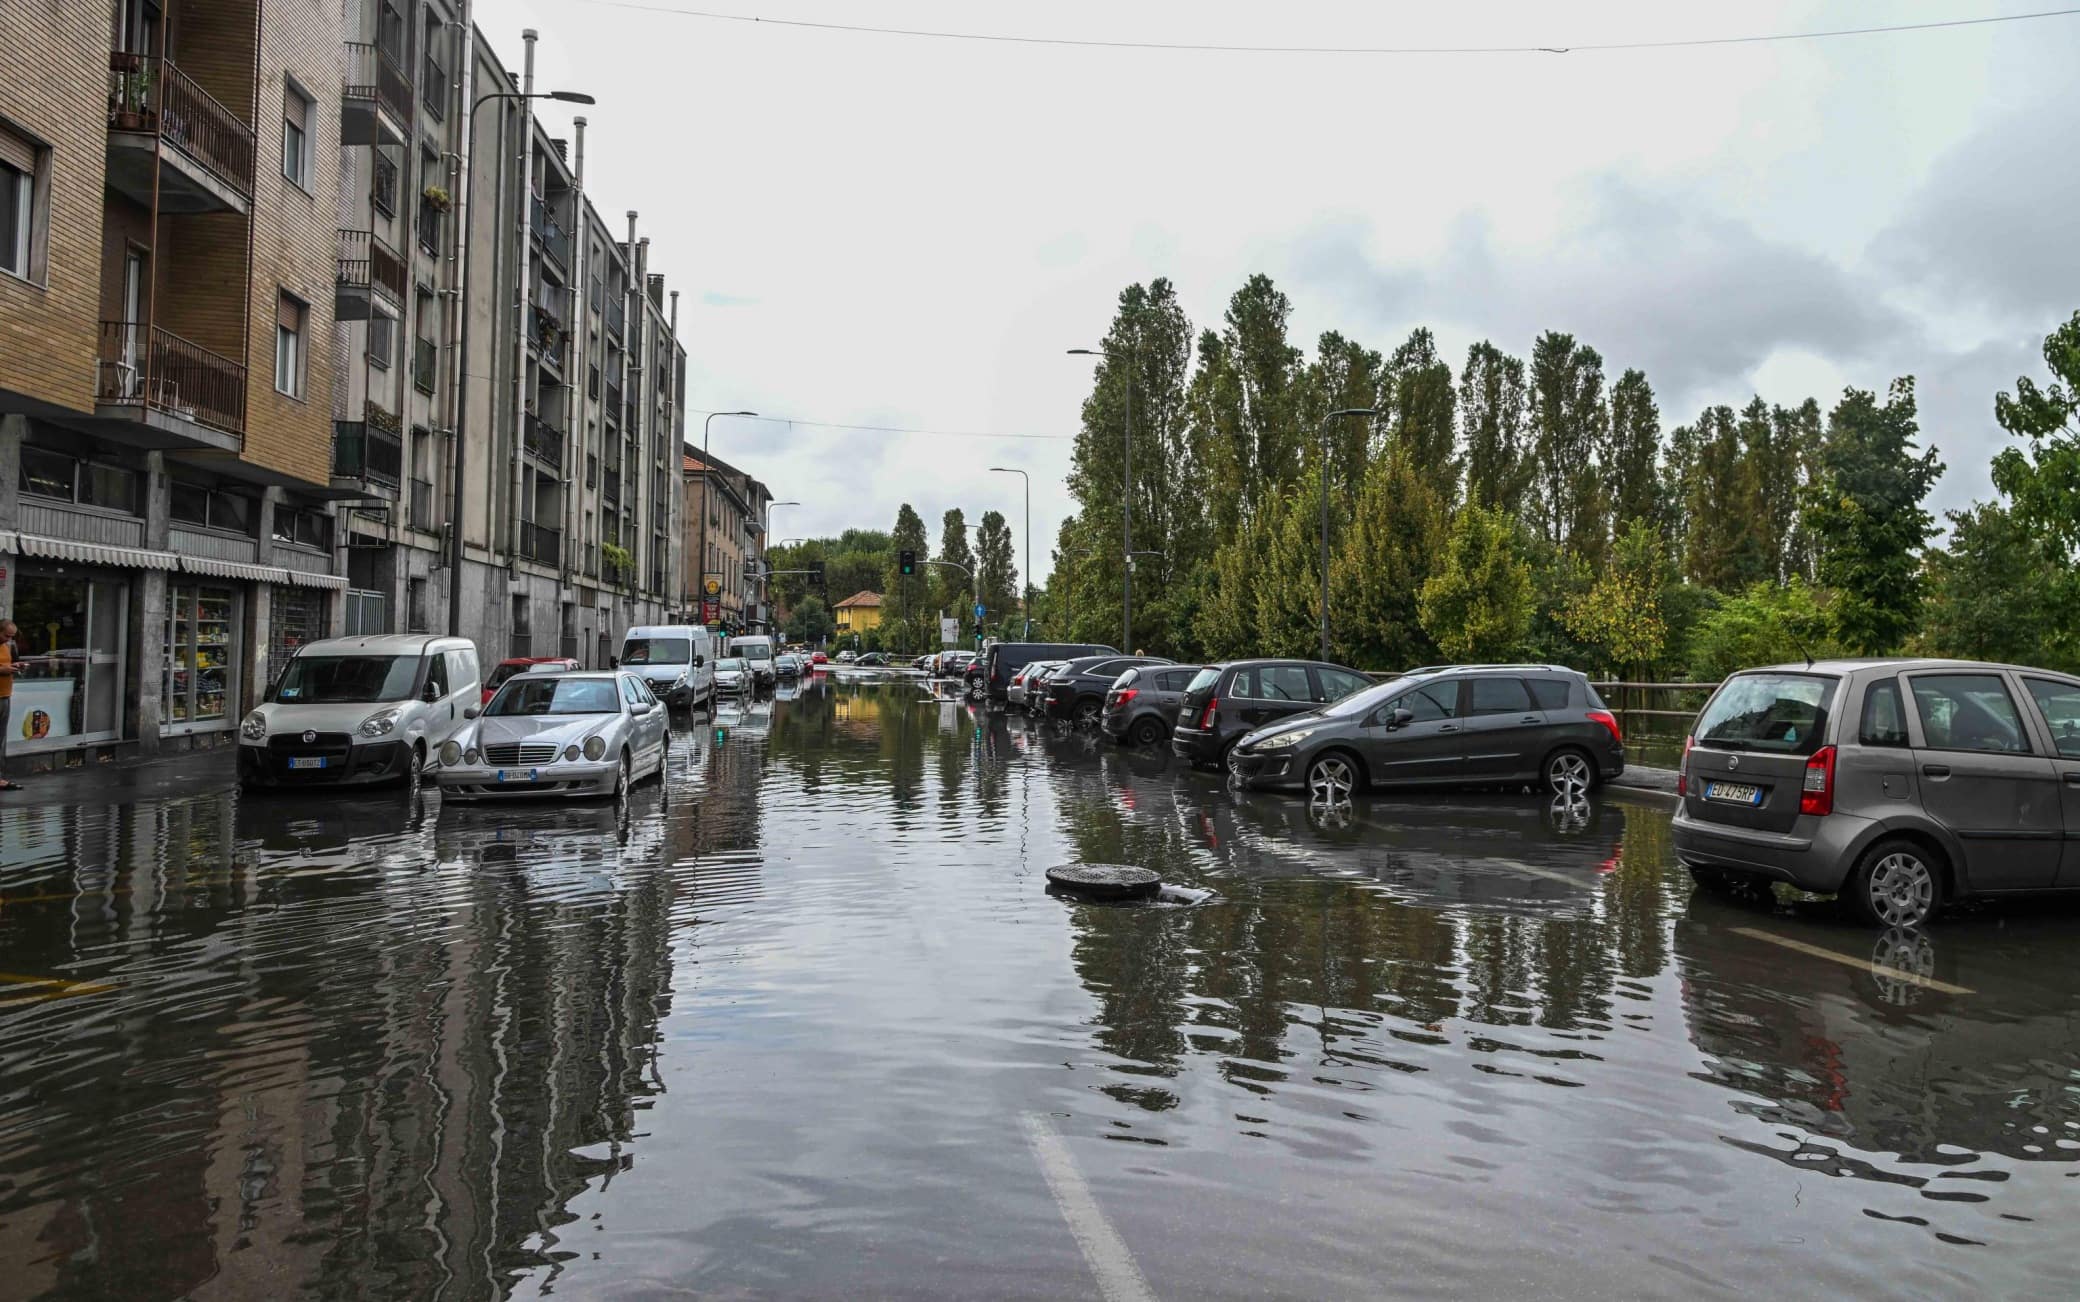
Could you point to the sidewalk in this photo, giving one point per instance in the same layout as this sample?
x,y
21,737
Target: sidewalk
x,y
1638,777
190,773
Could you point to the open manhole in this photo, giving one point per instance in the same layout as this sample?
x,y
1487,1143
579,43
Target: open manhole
x,y
1105,881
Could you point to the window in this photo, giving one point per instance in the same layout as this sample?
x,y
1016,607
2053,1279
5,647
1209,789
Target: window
x,y
302,526
212,508
1884,716
1968,712
19,169
1782,713
385,193
290,314
1498,696
382,339
296,135
1548,693
522,624
1339,683
415,605
436,675
45,473
1428,703
2060,703
628,690
1273,683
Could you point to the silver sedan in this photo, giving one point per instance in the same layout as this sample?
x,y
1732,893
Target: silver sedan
x,y
567,734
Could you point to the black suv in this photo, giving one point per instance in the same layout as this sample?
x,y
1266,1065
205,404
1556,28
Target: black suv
x,y
1077,694
1142,705
1004,659
1224,701
1462,725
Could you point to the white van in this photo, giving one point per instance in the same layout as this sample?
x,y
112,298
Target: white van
x,y
677,660
359,709
757,650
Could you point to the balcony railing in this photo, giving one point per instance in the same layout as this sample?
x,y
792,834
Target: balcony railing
x,y
613,402
657,516
554,242
365,262
150,95
433,88
429,224
544,440
546,332
422,506
425,364
143,366
520,646
540,543
610,487
617,315
373,75
361,449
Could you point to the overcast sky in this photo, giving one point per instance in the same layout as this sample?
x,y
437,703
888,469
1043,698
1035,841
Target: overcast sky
x,y
894,231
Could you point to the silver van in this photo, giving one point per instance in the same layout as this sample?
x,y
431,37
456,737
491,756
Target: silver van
x,y
676,660
1895,784
359,709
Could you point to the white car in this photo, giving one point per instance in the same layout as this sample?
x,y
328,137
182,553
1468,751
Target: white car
x,y
734,674
359,709
846,657
559,734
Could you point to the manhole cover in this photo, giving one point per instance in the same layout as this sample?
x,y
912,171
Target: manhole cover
x,y
1105,881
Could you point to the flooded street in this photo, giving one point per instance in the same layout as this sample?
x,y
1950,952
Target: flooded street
x,y
805,1022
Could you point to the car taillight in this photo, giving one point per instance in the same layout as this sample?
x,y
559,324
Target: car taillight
x,y
1124,695
1816,797
1608,720
1018,680
1683,769
1206,715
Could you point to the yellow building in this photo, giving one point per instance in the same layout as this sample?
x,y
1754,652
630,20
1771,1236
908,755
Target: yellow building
x,y
859,612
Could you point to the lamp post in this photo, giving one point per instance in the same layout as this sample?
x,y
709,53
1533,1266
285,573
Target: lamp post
x,y
1324,440
462,347
707,487
765,561
1025,600
1126,502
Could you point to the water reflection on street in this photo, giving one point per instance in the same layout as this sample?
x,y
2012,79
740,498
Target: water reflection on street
x,y
780,1027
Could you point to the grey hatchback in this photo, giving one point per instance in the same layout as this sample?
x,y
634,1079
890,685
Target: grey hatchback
x,y
1894,784
1459,725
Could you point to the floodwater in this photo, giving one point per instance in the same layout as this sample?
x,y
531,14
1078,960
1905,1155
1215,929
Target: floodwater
x,y
808,1024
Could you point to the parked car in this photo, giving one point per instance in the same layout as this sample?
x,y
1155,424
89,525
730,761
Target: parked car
x,y
873,660
845,657
675,659
563,734
359,709
735,675
1032,694
787,665
1468,725
1007,658
1897,785
819,658
1142,705
507,668
1225,701
1076,693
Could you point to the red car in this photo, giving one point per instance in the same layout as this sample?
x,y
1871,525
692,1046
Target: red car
x,y
520,664
818,658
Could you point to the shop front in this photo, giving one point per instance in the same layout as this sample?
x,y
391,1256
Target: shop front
x,y
71,608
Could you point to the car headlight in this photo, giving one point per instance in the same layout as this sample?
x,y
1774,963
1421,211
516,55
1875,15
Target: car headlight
x,y
595,746
254,727
570,754
470,756
451,753
379,724
1285,740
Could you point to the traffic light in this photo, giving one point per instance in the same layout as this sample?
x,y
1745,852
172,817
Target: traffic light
x,y
907,561
816,573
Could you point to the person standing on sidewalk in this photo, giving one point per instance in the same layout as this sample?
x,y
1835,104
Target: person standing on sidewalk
x,y
10,665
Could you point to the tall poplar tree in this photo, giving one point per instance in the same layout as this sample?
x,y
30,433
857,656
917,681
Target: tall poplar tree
x,y
907,601
1727,547
1421,418
1376,576
996,572
1632,473
951,587
1492,412
1568,420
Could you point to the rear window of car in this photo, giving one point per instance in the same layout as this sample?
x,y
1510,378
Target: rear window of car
x,y
1339,683
1499,696
1784,714
1204,679
1884,715
2060,703
1548,693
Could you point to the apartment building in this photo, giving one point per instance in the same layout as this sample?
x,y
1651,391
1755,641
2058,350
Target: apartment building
x,y
233,244
735,505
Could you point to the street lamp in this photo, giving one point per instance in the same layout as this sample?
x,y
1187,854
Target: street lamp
x,y
1126,501
765,567
1347,411
462,346
707,487
1026,597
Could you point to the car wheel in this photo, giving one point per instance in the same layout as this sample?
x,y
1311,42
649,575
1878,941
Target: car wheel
x,y
1332,776
1087,712
1148,732
621,778
1897,884
1569,773
416,771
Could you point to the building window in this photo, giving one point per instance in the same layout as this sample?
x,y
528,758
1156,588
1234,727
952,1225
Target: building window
x,y
382,339
45,473
290,315
429,209
296,135
306,528
385,193
21,162
415,605
213,508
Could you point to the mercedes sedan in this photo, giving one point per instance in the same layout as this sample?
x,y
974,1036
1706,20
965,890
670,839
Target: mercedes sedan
x,y
568,734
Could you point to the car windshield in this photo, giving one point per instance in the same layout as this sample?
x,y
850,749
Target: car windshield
x,y
330,680
1364,699
657,651
555,694
503,672
1783,713
757,652
731,665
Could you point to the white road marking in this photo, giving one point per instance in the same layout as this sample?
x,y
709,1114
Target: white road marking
x,y
1850,960
1119,1279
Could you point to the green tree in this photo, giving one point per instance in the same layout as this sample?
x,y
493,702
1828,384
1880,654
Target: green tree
x,y
904,601
1246,400
1995,592
1632,473
1620,612
810,621
1768,623
997,572
1478,606
1568,428
1795,436
1379,567
1344,375
1422,418
1727,548
952,589
2044,478
1866,517
1288,581
1227,615
1491,409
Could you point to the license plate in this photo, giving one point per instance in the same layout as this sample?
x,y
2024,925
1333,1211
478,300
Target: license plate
x,y
1733,793
307,761
517,775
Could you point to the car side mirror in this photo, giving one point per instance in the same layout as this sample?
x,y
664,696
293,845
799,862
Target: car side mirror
x,y
433,693
470,711
639,708
1392,719
613,662
699,660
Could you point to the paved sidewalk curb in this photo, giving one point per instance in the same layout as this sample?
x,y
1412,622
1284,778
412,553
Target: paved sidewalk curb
x,y
1640,778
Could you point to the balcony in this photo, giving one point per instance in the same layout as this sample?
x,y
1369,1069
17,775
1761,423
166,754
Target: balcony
x,y
549,236
540,543
421,500
610,487
369,450
544,441
617,316
592,470
171,140
376,102
612,402
425,364
433,88
156,372
367,267
657,516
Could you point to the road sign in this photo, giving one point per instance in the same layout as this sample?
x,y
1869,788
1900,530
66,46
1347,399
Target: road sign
x,y
713,586
710,611
949,630
979,612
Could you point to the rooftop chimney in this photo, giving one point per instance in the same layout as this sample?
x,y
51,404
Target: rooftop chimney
x,y
656,283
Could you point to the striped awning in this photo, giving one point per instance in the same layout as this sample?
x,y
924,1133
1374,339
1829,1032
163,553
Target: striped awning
x,y
306,579
86,553
215,568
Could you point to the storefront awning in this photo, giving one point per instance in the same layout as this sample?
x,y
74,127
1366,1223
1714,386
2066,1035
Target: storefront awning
x,y
210,565
305,579
86,553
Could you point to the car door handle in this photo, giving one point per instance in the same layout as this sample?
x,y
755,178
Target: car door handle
x,y
2073,777
1529,718
1448,727
1936,770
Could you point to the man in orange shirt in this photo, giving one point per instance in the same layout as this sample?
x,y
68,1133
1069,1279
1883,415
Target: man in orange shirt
x,y
10,665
